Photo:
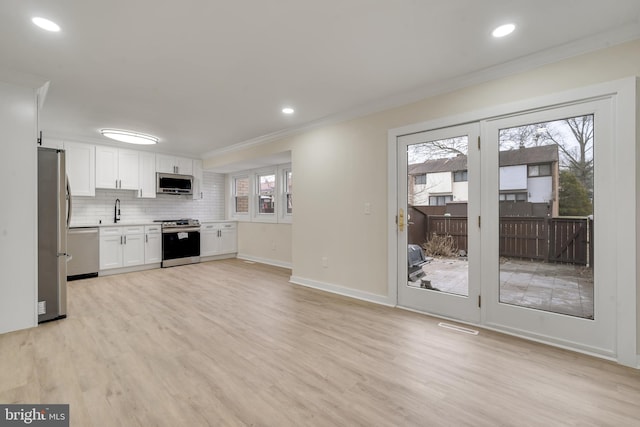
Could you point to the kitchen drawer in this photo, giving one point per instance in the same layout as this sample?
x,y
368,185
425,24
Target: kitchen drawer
x,y
228,226
134,229
111,231
152,229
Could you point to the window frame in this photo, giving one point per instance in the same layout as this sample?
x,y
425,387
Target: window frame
x,y
279,214
234,195
284,216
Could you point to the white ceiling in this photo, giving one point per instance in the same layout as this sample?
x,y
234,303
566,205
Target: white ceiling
x,y
206,74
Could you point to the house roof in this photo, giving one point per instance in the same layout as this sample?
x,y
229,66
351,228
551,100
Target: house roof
x,y
518,156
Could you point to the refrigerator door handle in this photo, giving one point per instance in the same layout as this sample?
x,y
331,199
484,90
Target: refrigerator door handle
x,y
69,204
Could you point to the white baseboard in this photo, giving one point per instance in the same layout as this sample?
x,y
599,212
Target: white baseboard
x,y
273,262
341,290
143,267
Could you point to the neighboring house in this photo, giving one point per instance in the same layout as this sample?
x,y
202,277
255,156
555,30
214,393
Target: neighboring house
x,y
526,175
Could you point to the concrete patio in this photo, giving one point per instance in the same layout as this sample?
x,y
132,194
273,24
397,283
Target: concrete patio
x,y
560,288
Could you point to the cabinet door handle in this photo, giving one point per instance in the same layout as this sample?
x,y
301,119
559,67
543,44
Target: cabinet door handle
x,y
120,239
125,240
146,238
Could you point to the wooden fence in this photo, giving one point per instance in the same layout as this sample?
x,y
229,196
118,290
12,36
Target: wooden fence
x,y
565,240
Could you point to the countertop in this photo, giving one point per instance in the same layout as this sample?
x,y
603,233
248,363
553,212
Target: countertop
x,y
136,223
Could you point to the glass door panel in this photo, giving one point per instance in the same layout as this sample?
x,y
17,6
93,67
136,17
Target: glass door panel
x,y
438,249
546,194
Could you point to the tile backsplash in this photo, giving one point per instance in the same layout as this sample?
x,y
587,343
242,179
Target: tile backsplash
x,y
92,210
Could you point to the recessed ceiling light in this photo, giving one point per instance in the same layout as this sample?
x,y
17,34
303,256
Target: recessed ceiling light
x,y
129,136
45,24
503,30
288,110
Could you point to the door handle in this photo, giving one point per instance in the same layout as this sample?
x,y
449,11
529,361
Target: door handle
x,y
401,220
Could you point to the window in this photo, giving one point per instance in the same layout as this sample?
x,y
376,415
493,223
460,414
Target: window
x,y
421,179
513,197
266,188
288,191
261,195
241,195
460,176
440,200
540,170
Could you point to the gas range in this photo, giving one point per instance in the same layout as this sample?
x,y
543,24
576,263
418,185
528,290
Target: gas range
x,y
180,241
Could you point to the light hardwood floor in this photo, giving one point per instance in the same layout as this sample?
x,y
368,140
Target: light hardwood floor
x,y
227,343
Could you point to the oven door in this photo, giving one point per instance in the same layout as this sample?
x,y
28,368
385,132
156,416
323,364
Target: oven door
x,y
180,246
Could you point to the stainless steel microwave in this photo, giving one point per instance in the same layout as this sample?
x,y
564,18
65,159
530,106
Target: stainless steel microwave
x,y
171,183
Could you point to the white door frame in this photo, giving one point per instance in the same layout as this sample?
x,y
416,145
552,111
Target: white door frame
x,y
626,158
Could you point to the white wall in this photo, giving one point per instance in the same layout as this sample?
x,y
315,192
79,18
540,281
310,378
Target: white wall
x,y
340,167
264,242
90,210
513,177
18,216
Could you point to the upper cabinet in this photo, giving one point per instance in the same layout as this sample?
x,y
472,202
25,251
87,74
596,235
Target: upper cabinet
x,y
80,160
173,164
147,175
117,168
198,186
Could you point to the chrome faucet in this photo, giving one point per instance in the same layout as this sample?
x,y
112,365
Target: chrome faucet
x,y
116,211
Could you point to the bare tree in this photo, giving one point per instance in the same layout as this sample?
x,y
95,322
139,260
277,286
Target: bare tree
x,y
577,155
441,149
533,135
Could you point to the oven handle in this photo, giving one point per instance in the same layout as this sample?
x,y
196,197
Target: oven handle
x,y
174,230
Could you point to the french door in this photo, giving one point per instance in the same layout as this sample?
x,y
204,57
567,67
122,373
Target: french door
x,y
517,232
439,199
549,237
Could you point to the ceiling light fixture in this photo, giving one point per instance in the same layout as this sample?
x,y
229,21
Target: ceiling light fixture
x,y
129,137
288,110
45,24
503,30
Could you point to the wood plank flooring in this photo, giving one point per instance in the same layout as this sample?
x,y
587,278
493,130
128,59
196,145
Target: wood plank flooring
x,y
227,343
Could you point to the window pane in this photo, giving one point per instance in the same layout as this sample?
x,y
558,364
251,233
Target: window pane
x,y
266,205
242,204
242,186
289,204
266,184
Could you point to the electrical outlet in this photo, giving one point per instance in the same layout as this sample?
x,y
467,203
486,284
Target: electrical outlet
x,y
273,246
367,208
325,262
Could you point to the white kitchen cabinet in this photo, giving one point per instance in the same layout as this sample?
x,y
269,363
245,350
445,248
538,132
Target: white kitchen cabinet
x,y
110,247
173,164
198,177
133,249
228,239
153,244
218,238
147,175
116,168
80,165
121,247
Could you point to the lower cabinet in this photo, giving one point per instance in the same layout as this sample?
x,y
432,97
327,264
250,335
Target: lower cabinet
x,y
152,244
121,247
218,238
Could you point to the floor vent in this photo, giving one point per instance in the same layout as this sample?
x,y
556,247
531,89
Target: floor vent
x,y
458,328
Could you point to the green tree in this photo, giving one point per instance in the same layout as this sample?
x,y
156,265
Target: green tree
x,y
574,198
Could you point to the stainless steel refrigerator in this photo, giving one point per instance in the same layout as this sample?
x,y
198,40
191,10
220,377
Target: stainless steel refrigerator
x,y
54,214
